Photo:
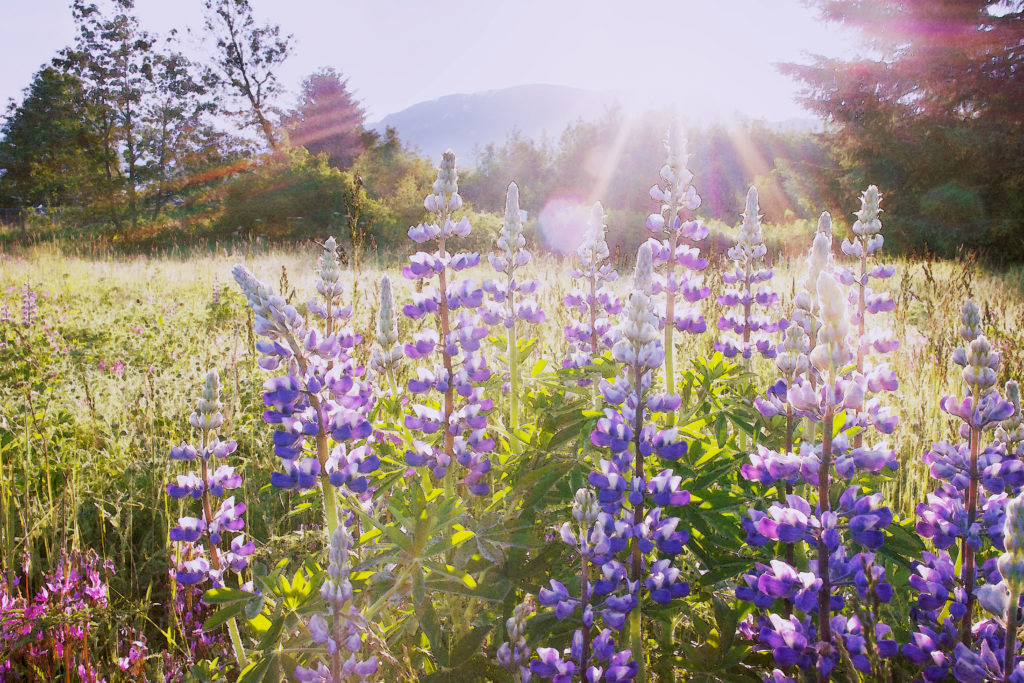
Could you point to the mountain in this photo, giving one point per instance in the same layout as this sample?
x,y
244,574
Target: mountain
x,y
465,122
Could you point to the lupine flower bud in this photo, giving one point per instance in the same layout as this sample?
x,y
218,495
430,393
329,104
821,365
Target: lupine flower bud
x,y
981,362
970,321
1011,430
386,352
832,349
337,589
585,508
328,271
207,415
643,270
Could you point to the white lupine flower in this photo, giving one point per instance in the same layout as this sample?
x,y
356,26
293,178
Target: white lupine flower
x,y
328,271
594,249
275,317
819,260
207,414
832,349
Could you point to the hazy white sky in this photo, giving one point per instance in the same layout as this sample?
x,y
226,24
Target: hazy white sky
x,y
711,57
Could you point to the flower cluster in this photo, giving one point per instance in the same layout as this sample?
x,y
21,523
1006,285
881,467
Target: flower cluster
x,y
28,305
678,198
215,521
747,330
590,334
865,247
48,633
455,428
342,628
510,302
970,509
589,655
816,385
322,397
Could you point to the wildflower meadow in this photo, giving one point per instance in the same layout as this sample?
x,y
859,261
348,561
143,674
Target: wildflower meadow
x,y
502,465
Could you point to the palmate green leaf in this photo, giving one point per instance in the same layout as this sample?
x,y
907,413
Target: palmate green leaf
x,y
223,616
272,634
222,596
394,534
470,643
432,629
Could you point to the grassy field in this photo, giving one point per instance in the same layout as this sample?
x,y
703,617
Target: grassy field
x,y
98,388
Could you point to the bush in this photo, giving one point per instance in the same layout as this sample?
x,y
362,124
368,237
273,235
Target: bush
x,y
294,195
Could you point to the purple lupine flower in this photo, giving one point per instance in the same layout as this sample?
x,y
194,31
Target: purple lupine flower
x,y
323,399
594,655
208,484
633,521
341,629
510,302
814,629
747,331
864,246
971,507
678,199
459,415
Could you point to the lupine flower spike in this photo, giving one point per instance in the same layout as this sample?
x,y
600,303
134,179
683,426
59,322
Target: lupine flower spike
x,y
814,640
747,331
590,334
342,628
978,478
202,537
510,297
679,199
459,419
587,655
386,354
635,503
865,247
322,397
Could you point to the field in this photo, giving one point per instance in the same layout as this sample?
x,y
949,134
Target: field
x,y
98,383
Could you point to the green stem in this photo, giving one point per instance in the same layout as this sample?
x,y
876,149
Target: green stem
x,y
636,643
1010,651
330,509
513,374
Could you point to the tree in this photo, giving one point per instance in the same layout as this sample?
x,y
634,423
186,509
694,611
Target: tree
x,y
329,119
178,136
936,102
247,60
50,152
113,58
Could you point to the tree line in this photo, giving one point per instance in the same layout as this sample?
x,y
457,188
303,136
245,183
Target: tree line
x,y
125,133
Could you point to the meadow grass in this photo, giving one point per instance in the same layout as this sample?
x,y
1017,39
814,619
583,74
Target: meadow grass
x,y
99,388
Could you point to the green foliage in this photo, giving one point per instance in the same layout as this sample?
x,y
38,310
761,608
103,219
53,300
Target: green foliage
x,y
294,195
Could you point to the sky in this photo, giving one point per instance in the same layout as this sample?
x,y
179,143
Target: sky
x,y
400,52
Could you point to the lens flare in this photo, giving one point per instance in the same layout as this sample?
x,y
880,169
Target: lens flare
x,y
563,220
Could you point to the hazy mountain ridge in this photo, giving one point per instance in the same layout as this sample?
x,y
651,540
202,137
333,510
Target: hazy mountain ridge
x,y
467,121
